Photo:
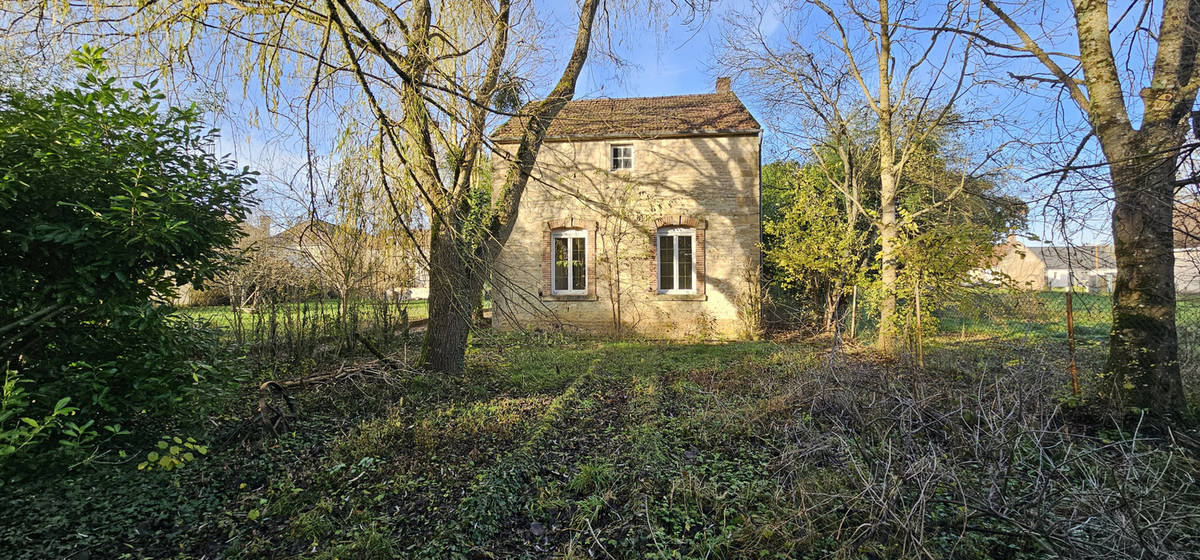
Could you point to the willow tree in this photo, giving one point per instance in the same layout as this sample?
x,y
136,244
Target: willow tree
x,y
1141,132
424,75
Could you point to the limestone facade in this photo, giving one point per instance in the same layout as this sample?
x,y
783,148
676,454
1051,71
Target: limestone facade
x,y
705,186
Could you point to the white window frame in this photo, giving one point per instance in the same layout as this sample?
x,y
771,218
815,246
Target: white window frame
x,y
612,159
569,234
674,233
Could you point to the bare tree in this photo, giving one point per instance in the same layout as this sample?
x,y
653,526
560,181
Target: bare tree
x,y
421,76
1141,137
871,67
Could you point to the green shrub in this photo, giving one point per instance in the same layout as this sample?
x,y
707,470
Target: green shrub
x,y
18,431
172,452
110,201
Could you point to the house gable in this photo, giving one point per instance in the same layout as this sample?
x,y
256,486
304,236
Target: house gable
x,y
671,241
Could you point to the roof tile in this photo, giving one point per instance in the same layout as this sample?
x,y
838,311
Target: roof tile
x,y
638,117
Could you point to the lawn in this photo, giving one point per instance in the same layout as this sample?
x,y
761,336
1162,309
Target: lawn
x,y
1041,319
1044,314
559,446
224,316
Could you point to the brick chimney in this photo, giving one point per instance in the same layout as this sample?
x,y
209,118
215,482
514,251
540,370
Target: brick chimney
x,y
723,84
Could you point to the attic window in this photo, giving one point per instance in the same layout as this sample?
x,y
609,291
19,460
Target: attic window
x,y
621,156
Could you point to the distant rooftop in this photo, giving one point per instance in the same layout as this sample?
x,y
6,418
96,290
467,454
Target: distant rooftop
x,y
1082,257
643,117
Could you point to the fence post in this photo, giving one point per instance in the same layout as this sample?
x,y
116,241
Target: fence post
x,y
920,343
1071,341
853,310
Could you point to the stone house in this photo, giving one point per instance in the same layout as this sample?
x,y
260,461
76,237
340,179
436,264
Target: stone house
x,y
385,264
1013,263
641,215
1087,267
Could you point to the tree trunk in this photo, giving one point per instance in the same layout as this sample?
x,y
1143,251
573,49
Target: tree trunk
x,y
456,274
1143,345
889,182
888,275
454,291
833,301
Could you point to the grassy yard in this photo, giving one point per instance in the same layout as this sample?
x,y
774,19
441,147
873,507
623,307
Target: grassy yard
x,y
224,316
1044,314
1041,319
557,446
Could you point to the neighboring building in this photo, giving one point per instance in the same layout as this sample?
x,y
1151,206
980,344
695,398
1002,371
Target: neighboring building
x,y
315,254
1087,267
255,232
304,244
1014,264
386,263
1185,223
1186,226
641,214
1094,267
1090,267
1187,271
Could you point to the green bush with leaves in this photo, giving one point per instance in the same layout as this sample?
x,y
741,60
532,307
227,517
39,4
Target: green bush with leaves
x,y
110,200
172,452
18,431
821,233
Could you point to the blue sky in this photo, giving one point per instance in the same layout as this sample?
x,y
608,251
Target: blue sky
x,y
664,57
670,58
672,61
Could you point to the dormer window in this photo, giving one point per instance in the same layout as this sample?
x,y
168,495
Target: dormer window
x,y
621,156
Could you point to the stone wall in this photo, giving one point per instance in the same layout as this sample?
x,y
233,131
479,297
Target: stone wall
x,y
710,183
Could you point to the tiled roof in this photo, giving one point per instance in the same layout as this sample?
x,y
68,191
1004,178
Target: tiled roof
x,y
305,231
1083,257
641,117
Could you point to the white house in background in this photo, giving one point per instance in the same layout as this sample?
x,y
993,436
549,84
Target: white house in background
x,y
1091,267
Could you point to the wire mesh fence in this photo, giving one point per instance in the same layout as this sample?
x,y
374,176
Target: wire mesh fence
x,y
1069,328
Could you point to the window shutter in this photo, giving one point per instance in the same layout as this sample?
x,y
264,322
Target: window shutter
x,y
698,251
653,285
547,264
591,258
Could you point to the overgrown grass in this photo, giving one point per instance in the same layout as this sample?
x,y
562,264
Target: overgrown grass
x,y
1043,315
294,339
224,316
561,446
